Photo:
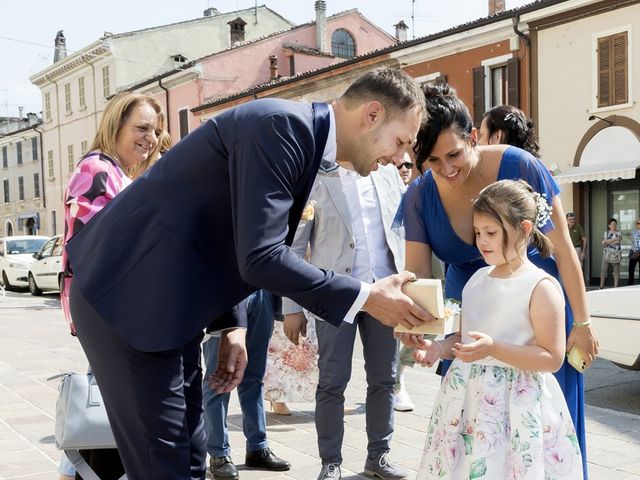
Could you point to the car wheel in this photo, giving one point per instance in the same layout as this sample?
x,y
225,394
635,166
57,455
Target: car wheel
x,y
33,288
5,280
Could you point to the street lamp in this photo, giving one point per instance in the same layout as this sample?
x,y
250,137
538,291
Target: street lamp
x,y
593,117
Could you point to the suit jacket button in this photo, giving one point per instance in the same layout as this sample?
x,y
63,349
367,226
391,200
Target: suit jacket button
x,y
351,245
348,269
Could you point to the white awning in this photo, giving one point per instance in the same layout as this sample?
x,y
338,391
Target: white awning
x,y
619,170
612,154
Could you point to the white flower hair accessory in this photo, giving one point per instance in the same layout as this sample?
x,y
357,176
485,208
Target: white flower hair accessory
x,y
543,209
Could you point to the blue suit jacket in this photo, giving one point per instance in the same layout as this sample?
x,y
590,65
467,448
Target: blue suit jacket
x,y
207,225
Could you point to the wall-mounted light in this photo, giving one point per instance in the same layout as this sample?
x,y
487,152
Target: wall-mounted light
x,y
593,117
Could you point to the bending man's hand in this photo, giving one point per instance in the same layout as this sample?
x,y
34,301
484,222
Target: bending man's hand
x,y
295,324
391,307
232,360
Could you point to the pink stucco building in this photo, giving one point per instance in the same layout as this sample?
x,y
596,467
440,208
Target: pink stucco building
x,y
313,45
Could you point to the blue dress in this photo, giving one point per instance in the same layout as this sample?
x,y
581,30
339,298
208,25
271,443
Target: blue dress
x,y
426,221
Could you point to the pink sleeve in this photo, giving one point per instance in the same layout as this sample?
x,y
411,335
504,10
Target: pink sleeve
x,y
93,184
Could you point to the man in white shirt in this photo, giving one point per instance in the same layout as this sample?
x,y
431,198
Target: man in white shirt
x,y
350,232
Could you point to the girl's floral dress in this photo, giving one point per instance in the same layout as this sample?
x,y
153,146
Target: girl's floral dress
x,y
492,421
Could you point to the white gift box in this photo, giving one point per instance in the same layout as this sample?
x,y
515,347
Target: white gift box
x,y
427,293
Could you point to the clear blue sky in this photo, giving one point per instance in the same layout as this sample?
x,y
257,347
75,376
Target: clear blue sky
x,y
28,27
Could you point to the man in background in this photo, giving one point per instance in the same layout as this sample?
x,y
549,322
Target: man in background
x,y
578,238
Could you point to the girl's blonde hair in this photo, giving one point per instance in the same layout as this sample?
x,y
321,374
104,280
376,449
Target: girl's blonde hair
x,y
115,115
511,202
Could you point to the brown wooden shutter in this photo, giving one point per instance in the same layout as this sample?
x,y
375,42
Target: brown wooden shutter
x,y
619,76
478,95
183,120
612,70
513,82
604,72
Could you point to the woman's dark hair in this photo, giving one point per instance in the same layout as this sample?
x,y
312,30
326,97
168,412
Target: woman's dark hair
x,y
509,202
444,110
611,220
517,129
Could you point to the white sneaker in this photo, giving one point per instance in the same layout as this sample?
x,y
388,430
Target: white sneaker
x,y
402,402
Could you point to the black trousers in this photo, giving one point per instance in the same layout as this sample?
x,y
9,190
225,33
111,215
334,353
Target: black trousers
x,y
632,269
105,462
153,399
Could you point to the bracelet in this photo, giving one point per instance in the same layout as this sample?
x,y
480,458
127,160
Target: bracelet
x,y
441,349
582,324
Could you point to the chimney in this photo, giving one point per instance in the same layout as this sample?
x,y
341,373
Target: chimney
x,y
236,31
321,25
495,7
273,66
210,12
60,47
33,118
401,31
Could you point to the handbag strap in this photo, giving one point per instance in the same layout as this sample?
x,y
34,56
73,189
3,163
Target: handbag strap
x,y
82,467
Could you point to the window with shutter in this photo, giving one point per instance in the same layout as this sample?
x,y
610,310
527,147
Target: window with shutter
x,y
478,95
619,68
613,70
183,120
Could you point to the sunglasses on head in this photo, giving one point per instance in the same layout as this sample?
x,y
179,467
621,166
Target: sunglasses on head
x,y
407,165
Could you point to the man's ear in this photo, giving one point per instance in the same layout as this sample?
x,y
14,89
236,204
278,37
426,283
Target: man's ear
x,y
373,114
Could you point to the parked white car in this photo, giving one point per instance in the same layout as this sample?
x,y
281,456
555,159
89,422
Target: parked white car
x,y
615,313
46,270
16,256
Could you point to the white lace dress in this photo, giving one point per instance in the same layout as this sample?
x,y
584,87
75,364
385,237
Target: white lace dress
x,y
490,420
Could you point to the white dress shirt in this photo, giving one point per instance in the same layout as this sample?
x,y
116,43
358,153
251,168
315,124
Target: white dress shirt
x,y
329,155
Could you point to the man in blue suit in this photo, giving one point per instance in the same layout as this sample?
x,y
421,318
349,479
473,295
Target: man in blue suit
x,y
210,223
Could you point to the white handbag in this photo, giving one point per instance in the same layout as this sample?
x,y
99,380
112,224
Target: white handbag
x,y
81,420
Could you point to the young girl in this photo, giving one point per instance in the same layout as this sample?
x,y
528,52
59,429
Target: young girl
x,y
500,413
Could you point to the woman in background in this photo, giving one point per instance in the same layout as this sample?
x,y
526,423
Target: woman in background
x,y
611,240
507,125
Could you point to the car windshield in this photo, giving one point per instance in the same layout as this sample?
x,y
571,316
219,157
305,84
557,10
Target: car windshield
x,y
26,245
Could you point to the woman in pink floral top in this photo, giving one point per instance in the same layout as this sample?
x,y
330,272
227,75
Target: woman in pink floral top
x,y
125,145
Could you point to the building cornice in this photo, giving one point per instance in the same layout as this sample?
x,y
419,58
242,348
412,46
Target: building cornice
x,y
8,135
89,54
173,78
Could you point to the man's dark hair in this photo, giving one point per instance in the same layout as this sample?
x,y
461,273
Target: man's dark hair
x,y
394,89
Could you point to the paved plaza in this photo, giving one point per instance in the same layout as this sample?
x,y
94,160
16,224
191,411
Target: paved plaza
x,y
34,345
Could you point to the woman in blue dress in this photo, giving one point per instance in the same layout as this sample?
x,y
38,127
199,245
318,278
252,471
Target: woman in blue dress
x,y
437,215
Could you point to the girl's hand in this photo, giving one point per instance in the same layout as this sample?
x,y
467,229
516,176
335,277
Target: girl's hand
x,y
428,357
414,340
586,340
474,351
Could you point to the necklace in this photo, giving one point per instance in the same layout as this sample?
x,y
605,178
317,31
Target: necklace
x,y
475,170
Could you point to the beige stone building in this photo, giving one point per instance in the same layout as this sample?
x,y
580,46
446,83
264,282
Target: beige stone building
x,y
22,196
76,87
